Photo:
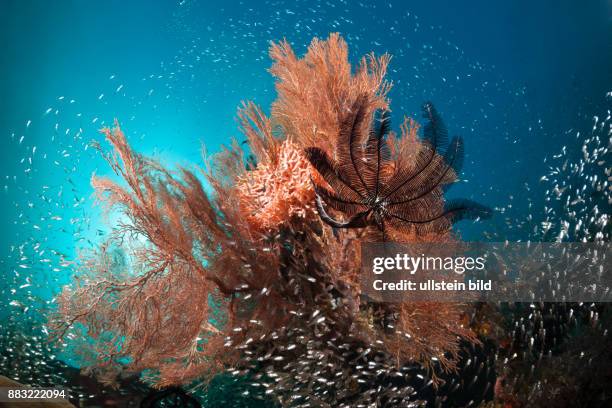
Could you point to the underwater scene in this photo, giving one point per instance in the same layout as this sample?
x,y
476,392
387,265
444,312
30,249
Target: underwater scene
x,y
218,204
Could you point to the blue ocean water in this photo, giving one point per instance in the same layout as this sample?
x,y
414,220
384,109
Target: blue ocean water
x,y
516,79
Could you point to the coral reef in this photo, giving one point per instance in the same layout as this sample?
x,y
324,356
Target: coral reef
x,y
249,279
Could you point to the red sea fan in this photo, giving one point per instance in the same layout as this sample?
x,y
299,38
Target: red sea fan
x,y
315,91
132,309
248,279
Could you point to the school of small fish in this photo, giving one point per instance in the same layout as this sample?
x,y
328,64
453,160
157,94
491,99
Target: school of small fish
x,y
53,215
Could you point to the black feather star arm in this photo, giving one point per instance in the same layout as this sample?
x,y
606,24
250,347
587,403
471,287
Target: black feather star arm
x,y
434,132
357,221
434,142
333,175
349,146
460,208
376,152
337,202
443,173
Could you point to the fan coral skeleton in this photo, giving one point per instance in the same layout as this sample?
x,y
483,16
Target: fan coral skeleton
x,y
249,280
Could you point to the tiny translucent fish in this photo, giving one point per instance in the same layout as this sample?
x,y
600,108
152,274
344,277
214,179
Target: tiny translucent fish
x,y
16,303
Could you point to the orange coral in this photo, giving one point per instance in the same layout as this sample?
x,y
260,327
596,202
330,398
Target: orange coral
x,y
207,273
276,191
132,309
315,91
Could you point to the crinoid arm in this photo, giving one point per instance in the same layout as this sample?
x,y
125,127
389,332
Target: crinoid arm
x,y
359,220
337,202
433,144
350,145
436,176
332,174
377,155
461,209
454,211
